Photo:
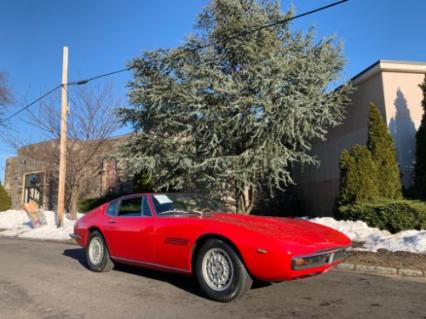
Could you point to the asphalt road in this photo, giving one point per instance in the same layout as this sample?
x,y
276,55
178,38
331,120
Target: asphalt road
x,y
50,280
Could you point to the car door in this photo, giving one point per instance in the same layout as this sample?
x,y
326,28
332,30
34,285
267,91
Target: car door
x,y
129,231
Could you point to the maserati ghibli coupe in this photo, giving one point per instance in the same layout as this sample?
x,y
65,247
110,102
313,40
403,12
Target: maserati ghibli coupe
x,y
194,235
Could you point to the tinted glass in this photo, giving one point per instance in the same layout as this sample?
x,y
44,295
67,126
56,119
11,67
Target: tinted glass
x,y
131,207
112,208
146,211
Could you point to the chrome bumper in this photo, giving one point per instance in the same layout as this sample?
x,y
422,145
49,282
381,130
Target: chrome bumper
x,y
320,258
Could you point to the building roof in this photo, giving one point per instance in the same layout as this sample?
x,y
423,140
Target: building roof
x,y
390,66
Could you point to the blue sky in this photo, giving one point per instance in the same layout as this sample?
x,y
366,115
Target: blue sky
x,y
104,35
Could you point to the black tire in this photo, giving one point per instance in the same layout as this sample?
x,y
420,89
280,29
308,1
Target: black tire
x,y
236,284
105,263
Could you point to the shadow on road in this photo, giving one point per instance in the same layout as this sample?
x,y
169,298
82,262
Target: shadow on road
x,y
186,283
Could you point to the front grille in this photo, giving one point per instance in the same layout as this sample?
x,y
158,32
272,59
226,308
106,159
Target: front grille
x,y
319,259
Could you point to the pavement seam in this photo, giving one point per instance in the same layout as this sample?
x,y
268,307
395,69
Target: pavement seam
x,y
403,272
61,241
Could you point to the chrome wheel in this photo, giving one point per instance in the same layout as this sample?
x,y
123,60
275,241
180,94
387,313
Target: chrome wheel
x,y
96,251
217,269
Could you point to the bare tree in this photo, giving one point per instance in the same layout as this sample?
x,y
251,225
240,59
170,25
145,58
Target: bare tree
x,y
91,123
5,96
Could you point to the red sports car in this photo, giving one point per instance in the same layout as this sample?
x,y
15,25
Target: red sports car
x,y
190,234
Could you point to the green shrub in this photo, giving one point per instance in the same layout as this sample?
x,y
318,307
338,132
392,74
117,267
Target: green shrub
x,y
392,215
5,201
88,204
141,184
383,152
357,176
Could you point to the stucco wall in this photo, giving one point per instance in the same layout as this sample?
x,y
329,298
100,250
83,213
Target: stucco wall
x,y
393,86
403,115
317,187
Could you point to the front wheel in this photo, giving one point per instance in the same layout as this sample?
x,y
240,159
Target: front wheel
x,y
220,272
97,255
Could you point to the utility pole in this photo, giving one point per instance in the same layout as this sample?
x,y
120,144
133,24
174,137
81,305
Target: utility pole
x,y
63,139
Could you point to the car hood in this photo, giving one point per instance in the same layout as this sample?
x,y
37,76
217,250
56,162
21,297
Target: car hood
x,y
287,229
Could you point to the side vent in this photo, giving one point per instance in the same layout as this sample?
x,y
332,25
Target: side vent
x,y
176,241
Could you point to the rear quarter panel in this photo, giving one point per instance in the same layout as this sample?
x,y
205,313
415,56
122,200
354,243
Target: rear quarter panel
x,y
92,219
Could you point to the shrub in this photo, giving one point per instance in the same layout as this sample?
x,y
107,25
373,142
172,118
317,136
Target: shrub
x,y
88,204
357,176
5,201
392,215
141,184
383,152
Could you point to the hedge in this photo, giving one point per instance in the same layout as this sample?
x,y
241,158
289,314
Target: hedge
x,y
88,204
5,201
392,215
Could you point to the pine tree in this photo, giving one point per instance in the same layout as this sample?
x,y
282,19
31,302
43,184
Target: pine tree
x,y
420,168
5,201
383,152
358,174
225,117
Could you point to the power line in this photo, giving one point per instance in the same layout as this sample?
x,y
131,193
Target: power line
x,y
32,103
80,82
212,43
270,25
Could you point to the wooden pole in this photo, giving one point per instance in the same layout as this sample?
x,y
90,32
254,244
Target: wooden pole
x,y
63,139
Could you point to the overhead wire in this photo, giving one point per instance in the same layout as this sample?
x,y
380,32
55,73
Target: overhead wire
x,y
212,43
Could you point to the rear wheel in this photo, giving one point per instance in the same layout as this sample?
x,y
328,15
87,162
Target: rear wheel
x,y
220,272
97,255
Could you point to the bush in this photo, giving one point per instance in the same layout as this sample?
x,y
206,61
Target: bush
x,y
392,215
88,204
357,176
5,201
383,152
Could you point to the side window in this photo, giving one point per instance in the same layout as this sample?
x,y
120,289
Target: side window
x,y
112,208
146,211
130,207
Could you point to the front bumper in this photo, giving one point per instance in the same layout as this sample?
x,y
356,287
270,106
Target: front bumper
x,y
319,259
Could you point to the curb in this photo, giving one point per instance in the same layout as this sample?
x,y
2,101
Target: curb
x,y
388,271
57,241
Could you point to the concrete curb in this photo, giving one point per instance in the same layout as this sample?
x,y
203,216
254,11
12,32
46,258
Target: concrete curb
x,y
388,271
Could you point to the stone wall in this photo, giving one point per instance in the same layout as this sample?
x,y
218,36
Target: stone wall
x,y
106,175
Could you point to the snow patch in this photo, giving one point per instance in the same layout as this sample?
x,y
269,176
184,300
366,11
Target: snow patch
x,y
15,223
409,240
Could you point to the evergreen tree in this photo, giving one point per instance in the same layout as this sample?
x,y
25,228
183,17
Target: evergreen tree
x,y
420,168
358,174
383,152
228,116
5,201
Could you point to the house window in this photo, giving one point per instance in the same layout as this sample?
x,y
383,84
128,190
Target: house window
x,y
33,188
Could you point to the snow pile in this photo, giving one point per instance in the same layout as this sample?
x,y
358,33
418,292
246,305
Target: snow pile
x,y
15,223
409,240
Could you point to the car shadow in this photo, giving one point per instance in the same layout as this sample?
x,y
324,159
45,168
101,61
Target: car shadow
x,y
186,283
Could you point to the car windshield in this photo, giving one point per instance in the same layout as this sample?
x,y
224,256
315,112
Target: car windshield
x,y
182,203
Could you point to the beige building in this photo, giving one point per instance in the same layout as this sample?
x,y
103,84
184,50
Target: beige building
x,y
394,87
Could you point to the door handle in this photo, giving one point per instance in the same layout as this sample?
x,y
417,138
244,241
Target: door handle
x,y
111,222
